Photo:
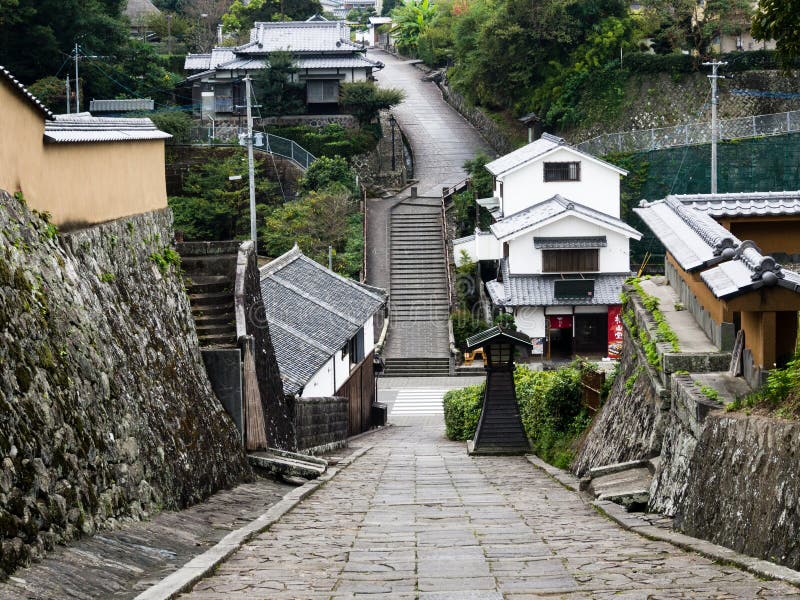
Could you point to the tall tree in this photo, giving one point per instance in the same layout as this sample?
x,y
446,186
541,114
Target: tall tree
x,y
241,16
37,36
779,20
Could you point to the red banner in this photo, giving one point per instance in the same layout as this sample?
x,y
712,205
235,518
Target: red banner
x,y
561,322
615,332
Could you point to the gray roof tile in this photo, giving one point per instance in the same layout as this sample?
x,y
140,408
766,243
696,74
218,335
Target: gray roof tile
x,y
748,270
493,333
534,150
316,312
538,290
693,238
123,105
85,128
570,243
299,36
557,205
745,204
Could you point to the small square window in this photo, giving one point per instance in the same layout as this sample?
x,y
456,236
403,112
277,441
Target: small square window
x,y
562,171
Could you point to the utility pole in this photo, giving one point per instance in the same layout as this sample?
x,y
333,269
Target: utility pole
x,y
68,92
714,124
250,167
77,83
169,34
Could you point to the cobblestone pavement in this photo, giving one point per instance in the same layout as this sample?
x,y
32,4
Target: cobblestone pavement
x,y
417,518
441,139
123,563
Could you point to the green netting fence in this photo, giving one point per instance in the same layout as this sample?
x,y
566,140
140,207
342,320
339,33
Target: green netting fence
x,y
748,165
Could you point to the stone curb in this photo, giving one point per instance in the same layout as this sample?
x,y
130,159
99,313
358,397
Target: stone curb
x,y
630,522
757,566
196,569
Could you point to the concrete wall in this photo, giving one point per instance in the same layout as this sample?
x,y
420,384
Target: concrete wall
x,y
78,184
106,409
524,259
598,187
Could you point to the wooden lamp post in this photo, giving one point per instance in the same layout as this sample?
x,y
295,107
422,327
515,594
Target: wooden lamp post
x,y
500,429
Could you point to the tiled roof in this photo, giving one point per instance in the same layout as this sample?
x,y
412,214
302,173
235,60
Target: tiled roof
x,y
197,62
570,243
23,91
553,207
315,312
336,62
534,150
693,238
539,290
121,105
748,270
464,240
481,338
745,204
85,128
299,36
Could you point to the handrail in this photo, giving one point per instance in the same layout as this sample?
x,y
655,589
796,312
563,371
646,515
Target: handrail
x,y
445,255
455,188
273,144
690,134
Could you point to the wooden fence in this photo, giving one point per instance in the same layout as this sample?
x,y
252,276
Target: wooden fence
x,y
359,389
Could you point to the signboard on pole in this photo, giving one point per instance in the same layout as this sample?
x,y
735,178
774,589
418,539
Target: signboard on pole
x,y
615,332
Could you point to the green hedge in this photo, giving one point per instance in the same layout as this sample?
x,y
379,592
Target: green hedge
x,y
550,406
462,409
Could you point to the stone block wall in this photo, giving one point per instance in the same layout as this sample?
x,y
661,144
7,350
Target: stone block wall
x,y
631,424
742,488
106,412
321,422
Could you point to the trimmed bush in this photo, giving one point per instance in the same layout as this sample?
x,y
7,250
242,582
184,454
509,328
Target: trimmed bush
x,y
462,410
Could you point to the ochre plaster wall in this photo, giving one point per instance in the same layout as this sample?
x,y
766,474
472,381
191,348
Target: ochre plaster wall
x,y
78,184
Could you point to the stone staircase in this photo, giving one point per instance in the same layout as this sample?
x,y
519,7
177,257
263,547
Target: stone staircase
x,y
420,306
210,284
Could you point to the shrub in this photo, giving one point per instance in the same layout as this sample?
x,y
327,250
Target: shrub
x,y
175,123
462,410
325,172
465,324
364,99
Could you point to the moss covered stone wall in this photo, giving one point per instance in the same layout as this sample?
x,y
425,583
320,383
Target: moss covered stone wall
x,y
106,413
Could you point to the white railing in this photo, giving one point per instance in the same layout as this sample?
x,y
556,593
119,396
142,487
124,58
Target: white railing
x,y
690,134
228,135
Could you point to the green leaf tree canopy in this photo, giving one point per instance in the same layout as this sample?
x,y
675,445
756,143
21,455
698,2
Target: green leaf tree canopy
x,y
364,99
779,20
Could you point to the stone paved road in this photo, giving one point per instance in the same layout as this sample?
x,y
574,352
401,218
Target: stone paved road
x,y
417,518
441,139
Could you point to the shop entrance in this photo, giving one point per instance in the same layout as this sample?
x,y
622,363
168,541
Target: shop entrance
x,y
560,336
591,334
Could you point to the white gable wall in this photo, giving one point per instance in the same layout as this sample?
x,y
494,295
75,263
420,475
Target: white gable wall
x,y
598,187
524,259
323,382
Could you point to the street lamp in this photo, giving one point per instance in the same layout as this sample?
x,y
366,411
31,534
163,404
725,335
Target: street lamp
x,y
393,122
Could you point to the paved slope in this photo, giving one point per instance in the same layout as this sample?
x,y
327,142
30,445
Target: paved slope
x,y
416,518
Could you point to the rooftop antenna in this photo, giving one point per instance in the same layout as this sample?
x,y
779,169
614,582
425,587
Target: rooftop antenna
x,y
714,124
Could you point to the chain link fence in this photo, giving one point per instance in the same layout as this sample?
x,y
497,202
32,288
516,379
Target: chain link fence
x,y
691,134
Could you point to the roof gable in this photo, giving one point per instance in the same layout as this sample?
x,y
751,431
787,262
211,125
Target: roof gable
x,y
315,311
538,150
552,210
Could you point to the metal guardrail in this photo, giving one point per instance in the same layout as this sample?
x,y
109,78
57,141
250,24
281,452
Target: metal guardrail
x,y
227,135
690,134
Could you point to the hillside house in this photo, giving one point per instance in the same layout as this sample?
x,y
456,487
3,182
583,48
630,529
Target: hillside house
x,y
322,330
81,169
322,52
728,285
561,247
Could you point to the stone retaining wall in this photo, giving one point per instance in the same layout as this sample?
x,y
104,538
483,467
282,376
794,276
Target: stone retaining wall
x,y
742,487
630,425
321,422
106,412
